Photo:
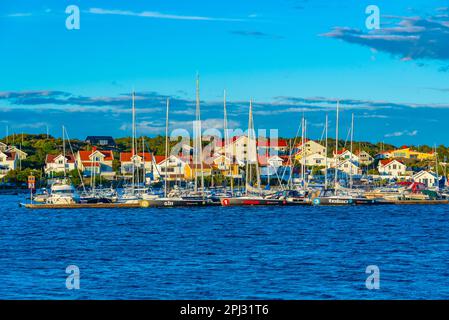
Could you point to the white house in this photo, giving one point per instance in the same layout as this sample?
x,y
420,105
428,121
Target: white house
x,y
316,159
310,147
392,167
55,163
98,161
349,167
346,155
173,167
364,157
22,155
8,161
240,148
3,146
138,161
429,179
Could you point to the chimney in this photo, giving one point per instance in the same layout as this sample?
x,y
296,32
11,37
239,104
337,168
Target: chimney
x,y
94,148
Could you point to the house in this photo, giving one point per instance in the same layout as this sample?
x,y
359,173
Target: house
x,y
392,167
348,167
345,155
429,179
196,169
364,157
104,142
271,146
8,161
310,147
271,161
95,161
238,148
172,167
56,163
3,146
22,155
316,159
225,165
141,160
408,153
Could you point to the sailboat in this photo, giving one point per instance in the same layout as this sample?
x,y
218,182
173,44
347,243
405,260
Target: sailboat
x,y
198,198
62,191
339,195
253,195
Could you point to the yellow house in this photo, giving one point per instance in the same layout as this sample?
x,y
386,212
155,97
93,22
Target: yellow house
x,y
408,153
192,169
225,166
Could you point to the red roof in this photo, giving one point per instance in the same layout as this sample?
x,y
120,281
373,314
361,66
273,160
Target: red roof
x,y
387,161
10,155
159,159
341,151
90,164
51,158
126,156
268,143
108,155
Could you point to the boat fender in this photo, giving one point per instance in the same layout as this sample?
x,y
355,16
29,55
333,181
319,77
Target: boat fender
x,y
144,204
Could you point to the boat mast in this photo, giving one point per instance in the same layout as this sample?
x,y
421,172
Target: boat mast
x,y
143,162
166,148
198,148
325,155
63,152
248,168
226,141
303,151
133,139
336,149
350,157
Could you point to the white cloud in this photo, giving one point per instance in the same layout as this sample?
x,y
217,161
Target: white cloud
x,y
156,15
402,133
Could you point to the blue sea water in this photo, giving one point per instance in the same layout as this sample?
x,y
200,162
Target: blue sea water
x,y
225,253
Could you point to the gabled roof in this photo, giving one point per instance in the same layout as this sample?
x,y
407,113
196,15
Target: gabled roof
x,y
51,158
388,161
85,155
127,156
422,172
10,156
15,149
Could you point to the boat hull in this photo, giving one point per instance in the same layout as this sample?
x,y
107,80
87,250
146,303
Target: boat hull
x,y
226,202
167,203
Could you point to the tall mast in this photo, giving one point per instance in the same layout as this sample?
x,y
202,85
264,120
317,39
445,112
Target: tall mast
x,y
226,140
63,151
133,139
350,157
198,148
143,162
303,151
336,149
166,148
325,156
248,167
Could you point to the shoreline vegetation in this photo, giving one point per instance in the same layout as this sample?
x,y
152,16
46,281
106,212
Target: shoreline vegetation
x,y
37,146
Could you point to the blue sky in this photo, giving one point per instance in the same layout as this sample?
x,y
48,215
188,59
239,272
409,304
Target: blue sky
x,y
290,56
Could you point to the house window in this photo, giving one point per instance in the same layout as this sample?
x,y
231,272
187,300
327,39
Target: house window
x,y
394,167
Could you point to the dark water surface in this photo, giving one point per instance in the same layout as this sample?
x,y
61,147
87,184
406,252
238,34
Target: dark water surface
x,y
225,253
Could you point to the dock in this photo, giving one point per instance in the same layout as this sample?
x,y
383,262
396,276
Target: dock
x,y
415,201
82,206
